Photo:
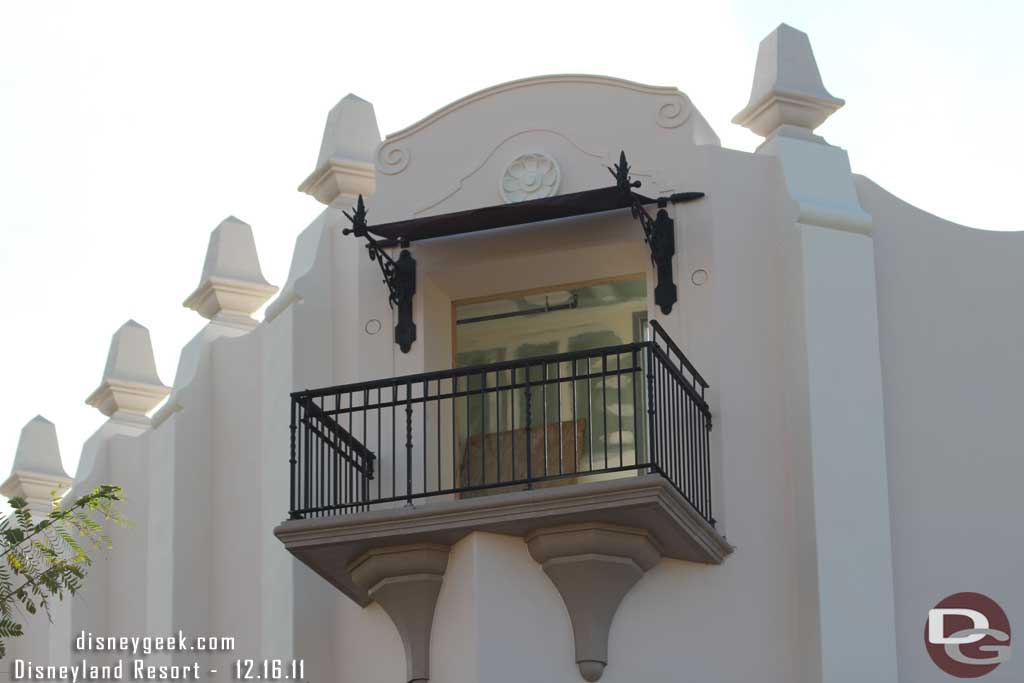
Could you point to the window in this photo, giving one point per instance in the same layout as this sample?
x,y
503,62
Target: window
x,y
592,420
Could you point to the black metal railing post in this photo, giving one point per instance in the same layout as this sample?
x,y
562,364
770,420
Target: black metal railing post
x,y
529,418
292,463
650,408
705,436
408,443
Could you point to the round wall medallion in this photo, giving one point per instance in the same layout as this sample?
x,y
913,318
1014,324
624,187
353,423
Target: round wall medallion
x,y
373,326
392,159
529,176
699,277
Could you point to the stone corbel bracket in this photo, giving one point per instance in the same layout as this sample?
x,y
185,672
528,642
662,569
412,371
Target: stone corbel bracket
x,y
405,581
593,566
594,540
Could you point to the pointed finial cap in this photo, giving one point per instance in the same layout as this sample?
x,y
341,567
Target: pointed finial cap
x,y
38,450
787,89
37,471
130,386
232,286
345,166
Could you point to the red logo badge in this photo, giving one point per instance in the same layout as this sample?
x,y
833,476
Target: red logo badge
x,y
967,635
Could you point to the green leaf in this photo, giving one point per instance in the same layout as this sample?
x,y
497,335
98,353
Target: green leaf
x,y
48,557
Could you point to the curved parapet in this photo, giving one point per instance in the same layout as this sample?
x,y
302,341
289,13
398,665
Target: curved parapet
x,y
886,206
672,112
457,157
951,334
312,244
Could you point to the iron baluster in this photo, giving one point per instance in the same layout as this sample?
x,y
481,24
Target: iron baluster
x,y
604,407
650,406
408,442
292,462
529,446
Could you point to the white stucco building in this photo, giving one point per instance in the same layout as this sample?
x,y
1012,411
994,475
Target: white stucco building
x,y
759,446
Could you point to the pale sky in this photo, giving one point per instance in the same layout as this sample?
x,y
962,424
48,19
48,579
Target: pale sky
x,y
128,131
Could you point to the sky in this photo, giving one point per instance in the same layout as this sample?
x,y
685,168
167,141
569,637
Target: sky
x,y
128,131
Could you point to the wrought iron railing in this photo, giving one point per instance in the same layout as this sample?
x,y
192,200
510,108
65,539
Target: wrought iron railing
x,y
513,425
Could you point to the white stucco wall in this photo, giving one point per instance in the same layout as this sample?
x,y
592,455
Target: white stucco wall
x,y
208,482
951,336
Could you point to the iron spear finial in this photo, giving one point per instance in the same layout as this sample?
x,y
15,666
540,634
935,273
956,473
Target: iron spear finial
x,y
621,173
358,219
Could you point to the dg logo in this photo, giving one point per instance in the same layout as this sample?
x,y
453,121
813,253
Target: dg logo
x,y
967,635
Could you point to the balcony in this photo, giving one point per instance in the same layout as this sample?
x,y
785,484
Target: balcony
x,y
600,459
519,425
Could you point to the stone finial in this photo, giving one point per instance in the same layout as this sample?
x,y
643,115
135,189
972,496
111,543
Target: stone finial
x,y
37,472
345,166
232,286
130,387
788,95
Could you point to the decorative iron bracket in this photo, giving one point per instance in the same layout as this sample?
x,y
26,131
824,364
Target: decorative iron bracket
x,y
399,276
659,232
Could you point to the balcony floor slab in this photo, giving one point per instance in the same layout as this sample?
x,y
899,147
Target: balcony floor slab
x,y
329,545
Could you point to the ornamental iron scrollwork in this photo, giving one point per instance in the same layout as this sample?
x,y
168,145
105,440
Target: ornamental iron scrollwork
x,y
399,276
659,231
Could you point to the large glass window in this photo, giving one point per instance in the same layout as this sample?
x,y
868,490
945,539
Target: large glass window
x,y
594,421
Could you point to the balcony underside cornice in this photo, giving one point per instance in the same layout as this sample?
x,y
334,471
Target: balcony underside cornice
x,y
329,545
